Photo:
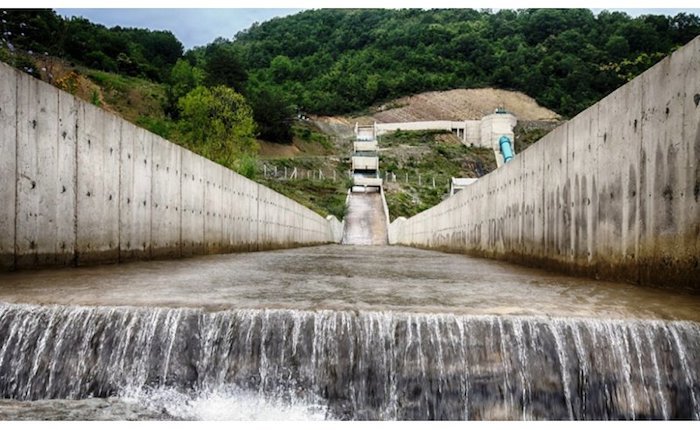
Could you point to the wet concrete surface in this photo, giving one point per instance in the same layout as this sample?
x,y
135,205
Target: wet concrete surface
x,y
93,409
365,222
335,277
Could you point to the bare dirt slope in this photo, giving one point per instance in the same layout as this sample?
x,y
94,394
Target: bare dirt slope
x,y
341,127
271,150
461,104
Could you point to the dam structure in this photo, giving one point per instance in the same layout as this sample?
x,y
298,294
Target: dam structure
x,y
326,319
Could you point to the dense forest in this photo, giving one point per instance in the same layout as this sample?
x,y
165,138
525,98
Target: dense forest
x,y
130,51
335,61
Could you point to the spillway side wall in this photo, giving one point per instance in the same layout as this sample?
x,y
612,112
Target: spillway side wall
x,y
79,185
614,193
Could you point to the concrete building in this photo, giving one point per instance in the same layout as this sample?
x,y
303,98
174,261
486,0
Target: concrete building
x,y
458,184
365,159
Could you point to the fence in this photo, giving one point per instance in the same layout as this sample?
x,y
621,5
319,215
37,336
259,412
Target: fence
x,y
285,173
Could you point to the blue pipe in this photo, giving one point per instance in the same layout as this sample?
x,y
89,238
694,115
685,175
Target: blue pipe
x,y
506,149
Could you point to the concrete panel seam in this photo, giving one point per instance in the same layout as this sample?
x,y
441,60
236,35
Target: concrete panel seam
x,y
119,196
179,201
14,264
75,189
638,199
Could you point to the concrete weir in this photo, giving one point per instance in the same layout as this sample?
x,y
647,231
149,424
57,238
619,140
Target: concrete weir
x,y
79,185
614,193
342,332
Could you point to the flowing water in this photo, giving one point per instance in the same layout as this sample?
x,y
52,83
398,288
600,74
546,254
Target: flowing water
x,y
365,221
423,335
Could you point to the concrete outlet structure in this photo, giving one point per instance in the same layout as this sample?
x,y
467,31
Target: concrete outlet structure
x,y
483,133
365,158
614,193
79,185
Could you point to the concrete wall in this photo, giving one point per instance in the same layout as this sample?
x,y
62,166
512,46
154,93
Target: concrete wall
x,y
614,193
365,163
385,207
472,133
492,128
79,185
337,228
367,145
387,127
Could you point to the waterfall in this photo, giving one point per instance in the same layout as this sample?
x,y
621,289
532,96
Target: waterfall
x,y
360,365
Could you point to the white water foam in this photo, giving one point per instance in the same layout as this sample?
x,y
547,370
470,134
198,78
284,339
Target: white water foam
x,y
226,404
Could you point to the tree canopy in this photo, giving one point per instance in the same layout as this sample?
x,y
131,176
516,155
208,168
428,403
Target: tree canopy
x,y
131,51
336,61
218,122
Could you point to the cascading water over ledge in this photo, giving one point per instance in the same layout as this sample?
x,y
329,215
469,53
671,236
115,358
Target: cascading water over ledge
x,y
360,365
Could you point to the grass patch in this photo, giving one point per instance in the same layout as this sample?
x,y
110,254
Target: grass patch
x,y
323,196
133,98
418,157
410,138
529,132
163,127
304,133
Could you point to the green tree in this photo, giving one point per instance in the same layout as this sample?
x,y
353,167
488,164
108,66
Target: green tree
x,y
281,68
351,59
223,66
218,124
273,114
617,47
183,79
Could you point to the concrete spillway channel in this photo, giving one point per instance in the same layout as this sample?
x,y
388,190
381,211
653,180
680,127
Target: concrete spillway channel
x,y
342,332
351,332
365,220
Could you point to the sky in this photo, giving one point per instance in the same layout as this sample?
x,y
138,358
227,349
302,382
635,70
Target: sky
x,y
193,27
197,27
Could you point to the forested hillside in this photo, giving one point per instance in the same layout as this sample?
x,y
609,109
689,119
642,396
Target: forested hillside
x,y
336,61
129,51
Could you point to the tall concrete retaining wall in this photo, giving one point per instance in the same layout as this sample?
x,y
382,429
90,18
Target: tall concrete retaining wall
x,y
614,193
79,185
